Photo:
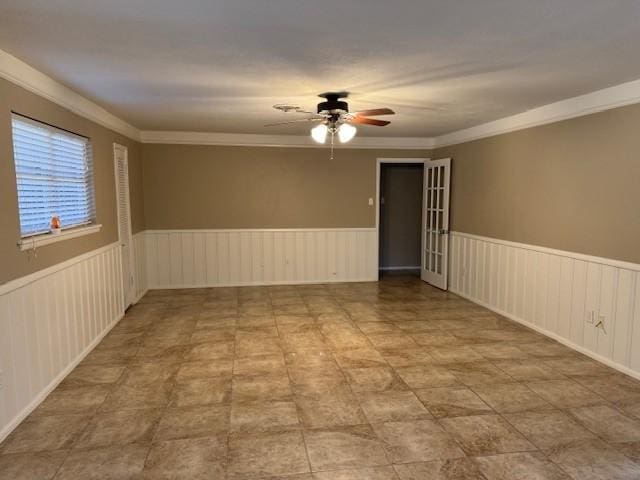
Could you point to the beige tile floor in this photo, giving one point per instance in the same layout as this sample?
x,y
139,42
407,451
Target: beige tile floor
x,y
395,380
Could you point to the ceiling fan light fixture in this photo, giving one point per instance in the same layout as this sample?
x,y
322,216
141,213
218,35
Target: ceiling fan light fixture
x,y
319,133
346,132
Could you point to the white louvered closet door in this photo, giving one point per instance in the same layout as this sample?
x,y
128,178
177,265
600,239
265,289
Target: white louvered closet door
x,y
435,222
124,222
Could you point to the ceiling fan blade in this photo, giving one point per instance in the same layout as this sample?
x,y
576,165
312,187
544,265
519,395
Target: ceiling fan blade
x,y
368,121
288,108
375,112
299,110
319,119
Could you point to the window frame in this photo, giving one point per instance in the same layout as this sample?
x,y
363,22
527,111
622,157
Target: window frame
x,y
30,241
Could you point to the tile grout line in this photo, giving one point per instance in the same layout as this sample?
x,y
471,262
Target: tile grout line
x,y
342,298
286,367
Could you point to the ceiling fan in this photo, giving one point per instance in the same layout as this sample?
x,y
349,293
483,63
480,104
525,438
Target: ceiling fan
x,y
334,117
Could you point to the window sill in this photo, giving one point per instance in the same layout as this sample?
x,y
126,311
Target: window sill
x,y
47,238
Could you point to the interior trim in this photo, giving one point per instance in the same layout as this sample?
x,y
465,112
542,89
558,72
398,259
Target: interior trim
x,y
598,101
550,334
20,282
590,304
140,265
263,140
243,257
18,72
81,300
36,241
405,267
22,74
51,386
552,251
259,230
379,162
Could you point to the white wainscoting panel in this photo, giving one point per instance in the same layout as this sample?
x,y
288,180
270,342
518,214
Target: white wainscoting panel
x,y
207,258
555,293
49,321
140,259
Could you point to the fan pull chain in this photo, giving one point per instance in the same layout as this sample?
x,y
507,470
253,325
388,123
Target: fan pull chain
x,y
332,135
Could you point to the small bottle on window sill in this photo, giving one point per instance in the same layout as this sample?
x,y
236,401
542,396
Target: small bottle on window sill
x,y
55,225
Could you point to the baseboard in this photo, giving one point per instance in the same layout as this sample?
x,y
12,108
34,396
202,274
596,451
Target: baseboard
x,y
140,295
25,412
264,284
554,336
413,267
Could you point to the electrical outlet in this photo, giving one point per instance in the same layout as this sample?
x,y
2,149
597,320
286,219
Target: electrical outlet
x,y
590,317
601,323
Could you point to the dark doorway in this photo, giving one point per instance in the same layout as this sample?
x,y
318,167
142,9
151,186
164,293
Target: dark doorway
x,y
400,218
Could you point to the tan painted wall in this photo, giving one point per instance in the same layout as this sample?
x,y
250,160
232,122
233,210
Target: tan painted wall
x,y
199,187
13,262
572,185
400,215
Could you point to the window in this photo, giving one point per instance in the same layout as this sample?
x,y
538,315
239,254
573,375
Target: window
x,y
54,176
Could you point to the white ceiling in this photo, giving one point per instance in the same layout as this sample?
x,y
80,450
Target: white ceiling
x,y
219,66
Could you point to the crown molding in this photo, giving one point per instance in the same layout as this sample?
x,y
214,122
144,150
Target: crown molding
x,y
25,76
598,101
261,140
18,72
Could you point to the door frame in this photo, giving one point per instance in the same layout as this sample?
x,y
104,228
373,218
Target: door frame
x,y
125,300
379,162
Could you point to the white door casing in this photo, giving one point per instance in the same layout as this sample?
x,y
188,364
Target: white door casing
x,y
435,222
120,155
379,163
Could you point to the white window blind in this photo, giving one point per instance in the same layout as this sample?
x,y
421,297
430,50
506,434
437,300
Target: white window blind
x,y
54,175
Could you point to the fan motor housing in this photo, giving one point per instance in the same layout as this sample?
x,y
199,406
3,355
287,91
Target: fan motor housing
x,y
336,106
333,103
